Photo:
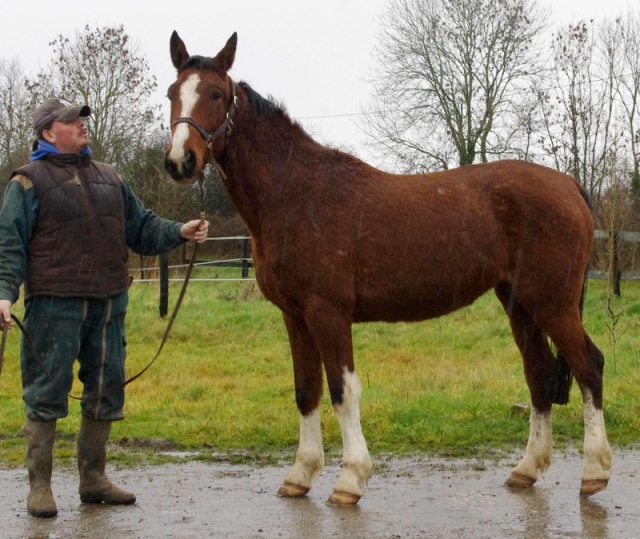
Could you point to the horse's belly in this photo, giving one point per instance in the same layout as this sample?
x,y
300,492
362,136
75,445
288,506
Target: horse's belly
x,y
407,297
410,309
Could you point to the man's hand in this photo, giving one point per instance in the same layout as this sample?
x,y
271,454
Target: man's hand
x,y
5,313
195,230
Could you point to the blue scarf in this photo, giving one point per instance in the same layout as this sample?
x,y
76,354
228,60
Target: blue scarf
x,y
45,148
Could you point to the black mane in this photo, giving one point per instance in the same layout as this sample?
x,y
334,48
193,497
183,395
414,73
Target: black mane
x,y
261,105
264,106
198,62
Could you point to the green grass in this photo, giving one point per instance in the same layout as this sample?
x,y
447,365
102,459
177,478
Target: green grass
x,y
223,385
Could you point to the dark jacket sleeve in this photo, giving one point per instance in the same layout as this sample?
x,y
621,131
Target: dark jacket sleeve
x,y
148,234
17,219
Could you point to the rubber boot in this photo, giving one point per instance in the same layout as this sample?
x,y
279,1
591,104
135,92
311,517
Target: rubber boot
x,y
95,487
40,438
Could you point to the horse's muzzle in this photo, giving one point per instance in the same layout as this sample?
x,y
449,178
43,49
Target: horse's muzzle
x,y
181,170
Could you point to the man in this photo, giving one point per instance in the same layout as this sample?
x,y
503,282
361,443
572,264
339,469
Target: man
x,y
65,225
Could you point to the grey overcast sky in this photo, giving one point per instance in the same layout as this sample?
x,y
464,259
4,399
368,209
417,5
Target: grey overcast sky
x,y
313,56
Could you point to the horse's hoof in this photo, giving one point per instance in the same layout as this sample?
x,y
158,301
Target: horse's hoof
x,y
343,498
291,490
592,486
518,480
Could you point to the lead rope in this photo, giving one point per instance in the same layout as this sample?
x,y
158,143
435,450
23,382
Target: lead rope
x,y
174,315
5,330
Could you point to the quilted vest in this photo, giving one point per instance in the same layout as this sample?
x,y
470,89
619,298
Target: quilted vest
x,y
78,247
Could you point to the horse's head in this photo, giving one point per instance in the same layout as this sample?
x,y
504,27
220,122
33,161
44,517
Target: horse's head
x,y
203,102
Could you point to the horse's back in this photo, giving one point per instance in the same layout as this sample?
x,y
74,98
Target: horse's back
x,y
433,243
410,247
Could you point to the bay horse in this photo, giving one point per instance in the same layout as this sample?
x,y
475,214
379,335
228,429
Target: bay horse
x,y
336,242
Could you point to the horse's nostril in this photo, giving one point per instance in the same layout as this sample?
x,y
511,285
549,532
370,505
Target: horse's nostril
x,y
170,167
190,163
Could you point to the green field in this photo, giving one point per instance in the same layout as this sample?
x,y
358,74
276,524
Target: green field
x,y
223,386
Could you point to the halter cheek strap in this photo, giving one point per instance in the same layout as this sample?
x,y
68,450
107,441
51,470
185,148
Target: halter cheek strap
x,y
225,127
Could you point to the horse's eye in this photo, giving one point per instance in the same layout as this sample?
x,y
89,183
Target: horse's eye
x,y
217,94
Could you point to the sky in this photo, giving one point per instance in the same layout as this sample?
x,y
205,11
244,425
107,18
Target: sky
x,y
315,56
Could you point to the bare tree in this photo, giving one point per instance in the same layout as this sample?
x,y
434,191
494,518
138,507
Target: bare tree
x,y
621,42
615,210
449,72
102,67
15,118
579,129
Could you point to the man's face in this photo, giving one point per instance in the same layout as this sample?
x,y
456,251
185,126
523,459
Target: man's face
x,y
68,137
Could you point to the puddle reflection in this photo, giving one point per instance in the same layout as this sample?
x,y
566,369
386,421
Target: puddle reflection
x,y
545,514
595,519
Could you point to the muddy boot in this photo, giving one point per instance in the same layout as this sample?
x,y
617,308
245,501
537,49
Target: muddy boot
x,y
95,487
40,437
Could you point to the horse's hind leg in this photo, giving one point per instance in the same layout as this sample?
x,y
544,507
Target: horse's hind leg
x,y
307,368
597,452
587,363
538,366
564,327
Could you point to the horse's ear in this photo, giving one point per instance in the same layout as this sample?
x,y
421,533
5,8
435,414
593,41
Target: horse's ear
x,y
224,59
179,52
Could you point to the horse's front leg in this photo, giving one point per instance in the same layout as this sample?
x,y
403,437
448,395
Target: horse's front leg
x,y
356,462
307,368
331,331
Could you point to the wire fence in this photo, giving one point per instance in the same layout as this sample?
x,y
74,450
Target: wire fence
x,y
245,262
162,270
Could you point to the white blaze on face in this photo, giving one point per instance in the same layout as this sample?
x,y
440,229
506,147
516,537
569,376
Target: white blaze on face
x,y
188,99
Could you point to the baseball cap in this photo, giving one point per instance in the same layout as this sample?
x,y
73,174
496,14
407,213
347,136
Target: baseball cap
x,y
56,109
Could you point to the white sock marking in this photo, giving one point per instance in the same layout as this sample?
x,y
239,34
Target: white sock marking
x,y
310,455
538,454
356,461
597,453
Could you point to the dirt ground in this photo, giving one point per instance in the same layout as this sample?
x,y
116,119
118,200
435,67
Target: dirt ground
x,y
406,498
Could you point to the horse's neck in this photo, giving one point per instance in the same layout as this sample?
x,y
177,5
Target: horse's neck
x,y
257,168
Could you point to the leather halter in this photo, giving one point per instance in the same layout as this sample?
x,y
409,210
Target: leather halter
x,y
225,127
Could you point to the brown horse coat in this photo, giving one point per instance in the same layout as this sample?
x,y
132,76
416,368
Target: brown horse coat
x,y
336,241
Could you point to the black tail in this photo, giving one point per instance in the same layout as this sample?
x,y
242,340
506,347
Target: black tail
x,y
560,387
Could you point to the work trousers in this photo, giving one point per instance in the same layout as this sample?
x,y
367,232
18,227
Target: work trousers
x,y
62,330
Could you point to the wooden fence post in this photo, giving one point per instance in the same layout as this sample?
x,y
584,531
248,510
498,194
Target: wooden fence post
x,y
245,258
